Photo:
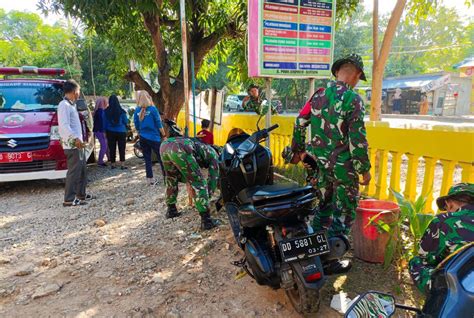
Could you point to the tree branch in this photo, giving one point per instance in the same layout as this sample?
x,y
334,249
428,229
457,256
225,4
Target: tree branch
x,y
141,84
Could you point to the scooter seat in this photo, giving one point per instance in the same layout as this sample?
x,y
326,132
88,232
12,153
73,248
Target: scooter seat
x,y
262,205
274,191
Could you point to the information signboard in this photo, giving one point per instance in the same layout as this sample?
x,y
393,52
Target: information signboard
x,y
291,38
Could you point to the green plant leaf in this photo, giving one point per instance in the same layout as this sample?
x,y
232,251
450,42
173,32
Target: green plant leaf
x,y
389,252
420,203
384,226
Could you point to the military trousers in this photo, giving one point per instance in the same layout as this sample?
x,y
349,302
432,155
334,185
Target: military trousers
x,y
181,166
338,199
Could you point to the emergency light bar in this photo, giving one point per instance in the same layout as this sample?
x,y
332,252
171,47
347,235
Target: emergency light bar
x,y
31,70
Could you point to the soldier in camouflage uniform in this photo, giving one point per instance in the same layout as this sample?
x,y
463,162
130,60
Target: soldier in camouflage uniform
x,y
255,102
339,146
182,160
446,233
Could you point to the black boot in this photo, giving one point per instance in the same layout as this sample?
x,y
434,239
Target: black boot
x,y
337,267
172,212
207,222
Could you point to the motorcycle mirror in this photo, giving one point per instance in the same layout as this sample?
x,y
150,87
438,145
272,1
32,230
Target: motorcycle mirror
x,y
263,107
372,304
229,149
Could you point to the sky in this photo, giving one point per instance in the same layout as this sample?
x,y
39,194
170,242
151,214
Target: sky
x,y
27,5
384,7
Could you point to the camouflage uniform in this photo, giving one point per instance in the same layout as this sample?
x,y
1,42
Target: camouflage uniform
x,y
339,146
182,159
446,233
251,103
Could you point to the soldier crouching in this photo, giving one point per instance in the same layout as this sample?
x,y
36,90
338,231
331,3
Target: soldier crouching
x,y
183,159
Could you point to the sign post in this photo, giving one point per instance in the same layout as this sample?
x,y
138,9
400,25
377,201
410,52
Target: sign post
x,y
290,39
193,88
184,44
268,115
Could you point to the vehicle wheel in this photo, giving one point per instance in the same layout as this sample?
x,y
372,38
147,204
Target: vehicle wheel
x,y
138,153
304,300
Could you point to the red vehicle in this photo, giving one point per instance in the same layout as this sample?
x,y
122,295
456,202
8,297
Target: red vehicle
x,y
29,139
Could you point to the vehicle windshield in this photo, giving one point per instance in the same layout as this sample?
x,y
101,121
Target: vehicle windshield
x,y
241,97
27,97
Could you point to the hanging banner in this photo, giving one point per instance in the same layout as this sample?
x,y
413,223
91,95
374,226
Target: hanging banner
x,y
291,38
435,84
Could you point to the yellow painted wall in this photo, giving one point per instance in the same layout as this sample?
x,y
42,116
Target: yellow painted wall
x,y
452,147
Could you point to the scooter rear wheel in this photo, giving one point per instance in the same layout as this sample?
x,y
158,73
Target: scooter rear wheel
x,y
304,300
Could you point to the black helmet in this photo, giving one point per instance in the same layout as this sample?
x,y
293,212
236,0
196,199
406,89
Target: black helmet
x,y
173,129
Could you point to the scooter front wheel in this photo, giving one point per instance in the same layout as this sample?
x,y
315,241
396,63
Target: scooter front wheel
x,y
304,300
138,153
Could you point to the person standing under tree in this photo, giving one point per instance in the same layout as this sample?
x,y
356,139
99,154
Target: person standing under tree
x,y
339,147
99,129
254,101
116,127
150,129
70,132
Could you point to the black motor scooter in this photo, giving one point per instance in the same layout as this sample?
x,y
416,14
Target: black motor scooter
x,y
270,223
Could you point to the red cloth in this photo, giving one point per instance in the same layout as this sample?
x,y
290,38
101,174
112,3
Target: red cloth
x,y
208,137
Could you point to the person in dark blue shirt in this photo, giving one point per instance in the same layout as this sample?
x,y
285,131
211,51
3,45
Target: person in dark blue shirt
x,y
148,124
101,105
116,122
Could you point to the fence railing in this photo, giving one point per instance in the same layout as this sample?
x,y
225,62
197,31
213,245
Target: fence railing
x,y
414,161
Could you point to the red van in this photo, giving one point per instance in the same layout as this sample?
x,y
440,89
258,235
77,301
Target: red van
x,y
29,139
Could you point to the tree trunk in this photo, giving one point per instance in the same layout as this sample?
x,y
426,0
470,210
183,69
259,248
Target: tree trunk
x,y
375,32
379,64
170,98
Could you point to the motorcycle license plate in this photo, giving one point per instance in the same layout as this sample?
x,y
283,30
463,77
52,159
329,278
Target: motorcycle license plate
x,y
304,247
16,157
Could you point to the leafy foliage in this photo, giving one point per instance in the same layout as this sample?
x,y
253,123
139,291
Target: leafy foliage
x,y
106,64
25,40
430,46
216,34
405,232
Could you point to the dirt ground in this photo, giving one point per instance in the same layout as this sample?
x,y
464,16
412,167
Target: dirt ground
x,y
119,257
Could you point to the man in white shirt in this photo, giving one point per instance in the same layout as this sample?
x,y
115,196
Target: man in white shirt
x,y
70,131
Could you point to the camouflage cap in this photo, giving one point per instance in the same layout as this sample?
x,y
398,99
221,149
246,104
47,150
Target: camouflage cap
x,y
351,59
455,190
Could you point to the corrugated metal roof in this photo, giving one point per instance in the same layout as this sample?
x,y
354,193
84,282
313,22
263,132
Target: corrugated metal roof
x,y
467,62
409,82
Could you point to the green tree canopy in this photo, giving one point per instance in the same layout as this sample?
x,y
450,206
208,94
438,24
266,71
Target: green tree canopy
x,y
99,63
25,40
149,33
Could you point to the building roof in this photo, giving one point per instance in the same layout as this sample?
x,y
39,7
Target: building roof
x,y
467,62
414,81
